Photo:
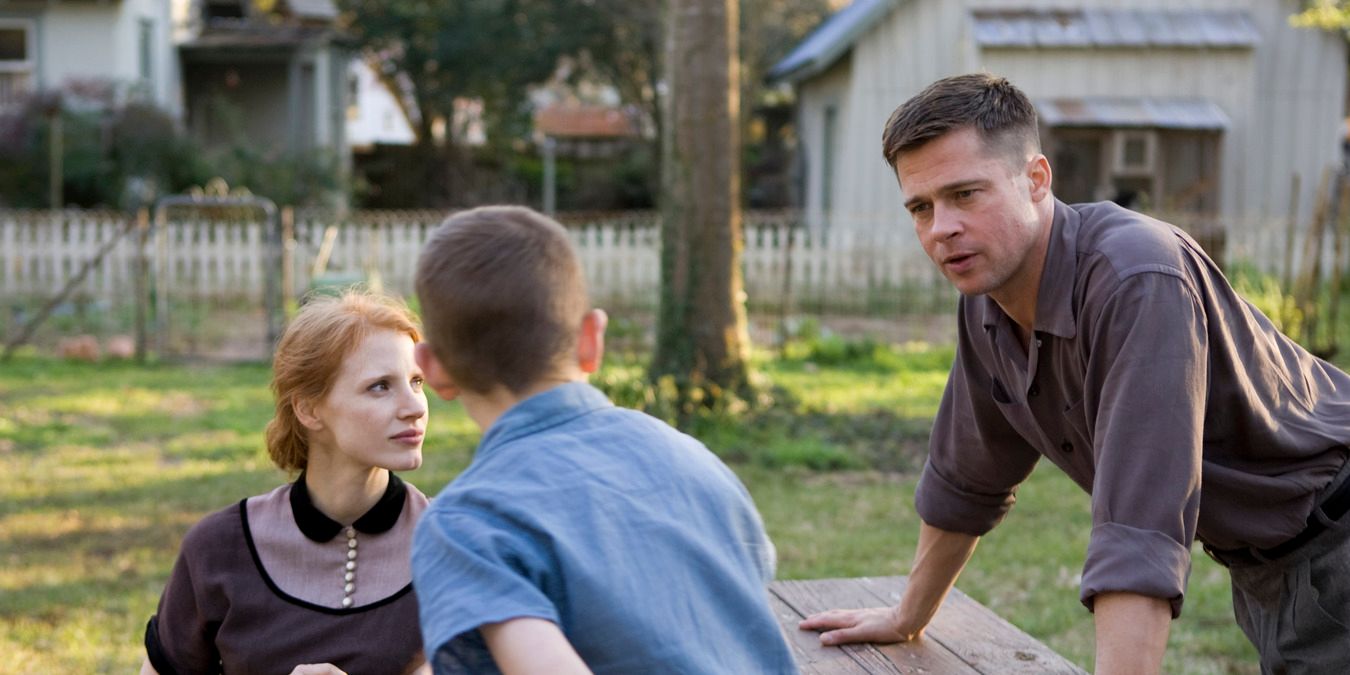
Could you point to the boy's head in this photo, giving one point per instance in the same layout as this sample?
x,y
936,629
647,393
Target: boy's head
x,y
503,299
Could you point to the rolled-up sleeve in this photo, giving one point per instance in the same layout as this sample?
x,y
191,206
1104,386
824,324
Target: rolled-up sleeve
x,y
1147,374
976,459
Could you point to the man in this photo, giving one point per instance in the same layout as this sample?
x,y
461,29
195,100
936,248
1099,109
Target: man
x,y
1109,343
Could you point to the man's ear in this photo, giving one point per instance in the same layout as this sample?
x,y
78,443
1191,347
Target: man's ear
x,y
434,374
591,340
306,415
1039,174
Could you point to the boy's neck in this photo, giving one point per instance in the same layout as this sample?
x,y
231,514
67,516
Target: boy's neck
x,y
485,408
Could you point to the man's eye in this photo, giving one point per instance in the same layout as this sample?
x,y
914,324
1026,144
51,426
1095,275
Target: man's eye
x,y
918,209
963,195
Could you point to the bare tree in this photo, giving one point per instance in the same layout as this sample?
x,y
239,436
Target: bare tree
x,y
701,328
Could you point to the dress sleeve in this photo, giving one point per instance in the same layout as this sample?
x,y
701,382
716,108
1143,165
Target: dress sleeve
x,y
1148,374
976,459
470,570
180,638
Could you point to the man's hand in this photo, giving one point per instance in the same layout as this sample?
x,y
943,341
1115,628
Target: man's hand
x,y
845,626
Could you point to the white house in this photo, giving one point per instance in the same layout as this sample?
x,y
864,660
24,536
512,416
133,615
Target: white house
x,y
375,115
278,76
1207,107
47,44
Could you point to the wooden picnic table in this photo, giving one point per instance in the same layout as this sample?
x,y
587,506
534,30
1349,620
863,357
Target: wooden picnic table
x,y
964,637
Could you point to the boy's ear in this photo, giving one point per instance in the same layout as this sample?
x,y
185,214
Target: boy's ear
x,y
591,340
305,414
434,374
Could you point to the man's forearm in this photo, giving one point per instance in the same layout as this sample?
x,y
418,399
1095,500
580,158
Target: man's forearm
x,y
1131,632
940,557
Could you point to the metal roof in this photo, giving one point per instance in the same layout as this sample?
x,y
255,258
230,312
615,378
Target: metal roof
x,y
830,40
1115,28
1159,113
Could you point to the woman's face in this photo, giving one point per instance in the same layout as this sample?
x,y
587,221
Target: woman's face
x,y
375,413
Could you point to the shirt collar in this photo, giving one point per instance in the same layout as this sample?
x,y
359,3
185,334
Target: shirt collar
x,y
543,410
1054,298
319,527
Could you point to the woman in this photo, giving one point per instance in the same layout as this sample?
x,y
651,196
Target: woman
x,y
313,577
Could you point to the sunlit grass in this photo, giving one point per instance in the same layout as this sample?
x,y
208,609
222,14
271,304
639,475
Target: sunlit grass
x,y
108,465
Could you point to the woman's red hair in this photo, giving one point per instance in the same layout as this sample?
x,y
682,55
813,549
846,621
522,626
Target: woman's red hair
x,y
309,354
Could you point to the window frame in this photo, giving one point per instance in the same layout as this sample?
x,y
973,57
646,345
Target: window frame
x,y
29,28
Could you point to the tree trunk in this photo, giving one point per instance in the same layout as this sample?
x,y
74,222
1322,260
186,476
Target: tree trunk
x,y
702,338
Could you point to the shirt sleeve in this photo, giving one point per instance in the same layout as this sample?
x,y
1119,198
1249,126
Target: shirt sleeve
x,y
470,570
180,638
976,459
1147,373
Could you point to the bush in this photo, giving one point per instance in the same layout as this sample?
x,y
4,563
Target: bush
x,y
1265,293
126,154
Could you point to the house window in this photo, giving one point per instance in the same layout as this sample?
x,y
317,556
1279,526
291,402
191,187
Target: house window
x,y
16,60
1159,170
146,41
1133,152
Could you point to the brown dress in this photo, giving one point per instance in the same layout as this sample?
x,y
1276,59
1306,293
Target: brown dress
x,y
270,583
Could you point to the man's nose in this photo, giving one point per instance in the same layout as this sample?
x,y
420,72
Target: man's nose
x,y
946,223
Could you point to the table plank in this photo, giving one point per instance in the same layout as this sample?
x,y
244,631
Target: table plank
x,y
806,649
809,597
979,636
964,637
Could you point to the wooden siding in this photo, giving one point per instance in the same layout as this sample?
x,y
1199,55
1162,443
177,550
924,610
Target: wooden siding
x,y
1285,99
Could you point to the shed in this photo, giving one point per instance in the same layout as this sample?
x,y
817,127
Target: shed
x,y
1199,109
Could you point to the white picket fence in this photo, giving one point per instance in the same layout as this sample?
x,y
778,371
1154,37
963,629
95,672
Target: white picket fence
x,y
199,258
855,266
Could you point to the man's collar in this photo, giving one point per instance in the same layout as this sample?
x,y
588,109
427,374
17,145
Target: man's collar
x,y
1054,298
319,527
543,410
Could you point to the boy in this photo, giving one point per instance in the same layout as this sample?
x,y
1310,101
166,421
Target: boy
x,y
582,536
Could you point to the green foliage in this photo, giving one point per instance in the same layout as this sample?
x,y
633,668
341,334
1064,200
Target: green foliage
x,y
126,155
1323,14
1265,293
111,155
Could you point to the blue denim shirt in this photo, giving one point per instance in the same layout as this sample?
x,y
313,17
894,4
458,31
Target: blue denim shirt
x,y
632,537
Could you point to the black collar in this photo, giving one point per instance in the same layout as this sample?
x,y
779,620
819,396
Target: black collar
x,y
319,527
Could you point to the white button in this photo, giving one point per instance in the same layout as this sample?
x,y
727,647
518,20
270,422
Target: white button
x,y
351,564
349,576
351,554
350,533
349,588
346,602
351,543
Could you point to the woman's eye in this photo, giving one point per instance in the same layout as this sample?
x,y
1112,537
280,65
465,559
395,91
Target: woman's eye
x,y
417,383
380,386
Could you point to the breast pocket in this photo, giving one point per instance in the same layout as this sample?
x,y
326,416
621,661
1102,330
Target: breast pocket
x,y
1072,446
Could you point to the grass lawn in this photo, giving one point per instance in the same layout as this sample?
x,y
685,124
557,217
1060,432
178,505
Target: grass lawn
x,y
107,466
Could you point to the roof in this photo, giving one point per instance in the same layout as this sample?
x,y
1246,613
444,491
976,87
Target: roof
x,y
221,34
1115,28
1159,113
1031,28
565,121
832,39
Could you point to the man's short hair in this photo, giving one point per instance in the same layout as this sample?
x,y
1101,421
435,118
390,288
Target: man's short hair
x,y
1000,113
502,296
